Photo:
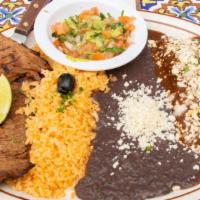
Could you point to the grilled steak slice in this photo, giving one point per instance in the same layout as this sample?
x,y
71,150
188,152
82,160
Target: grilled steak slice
x,y
15,59
13,152
18,61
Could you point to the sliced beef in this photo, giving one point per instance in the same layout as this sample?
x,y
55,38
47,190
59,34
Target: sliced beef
x,y
13,152
18,64
18,61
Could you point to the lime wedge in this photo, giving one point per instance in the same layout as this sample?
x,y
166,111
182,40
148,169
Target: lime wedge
x,y
5,97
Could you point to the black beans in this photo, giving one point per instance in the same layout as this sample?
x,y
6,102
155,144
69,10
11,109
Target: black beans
x,y
66,83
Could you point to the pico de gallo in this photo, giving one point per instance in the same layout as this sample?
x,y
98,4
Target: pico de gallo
x,y
93,35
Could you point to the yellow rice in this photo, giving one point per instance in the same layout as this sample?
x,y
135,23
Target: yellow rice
x,y
61,142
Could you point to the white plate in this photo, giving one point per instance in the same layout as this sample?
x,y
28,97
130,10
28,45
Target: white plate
x,y
170,26
55,12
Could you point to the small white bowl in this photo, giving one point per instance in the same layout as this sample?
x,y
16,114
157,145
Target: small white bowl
x,y
59,10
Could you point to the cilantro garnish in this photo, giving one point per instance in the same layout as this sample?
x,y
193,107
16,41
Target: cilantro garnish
x,y
81,89
148,149
122,13
115,50
64,99
20,91
62,38
109,15
102,16
186,69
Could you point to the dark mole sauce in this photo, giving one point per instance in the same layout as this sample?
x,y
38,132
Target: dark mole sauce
x,y
169,81
142,175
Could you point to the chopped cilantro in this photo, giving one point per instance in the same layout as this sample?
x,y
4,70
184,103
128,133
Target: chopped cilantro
x,y
71,33
186,69
109,15
84,25
81,89
95,34
21,91
60,109
115,50
62,38
54,35
102,16
74,19
148,149
122,13
64,98
116,25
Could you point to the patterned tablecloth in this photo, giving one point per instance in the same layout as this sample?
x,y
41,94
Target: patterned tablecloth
x,y
11,11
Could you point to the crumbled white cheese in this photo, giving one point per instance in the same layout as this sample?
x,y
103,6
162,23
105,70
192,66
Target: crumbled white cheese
x,y
120,142
179,109
126,84
143,116
125,156
196,167
112,173
176,188
112,118
172,146
181,160
159,80
124,76
115,164
124,146
152,43
186,69
181,84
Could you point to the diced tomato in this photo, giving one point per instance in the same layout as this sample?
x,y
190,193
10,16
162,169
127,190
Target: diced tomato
x,y
108,55
87,13
84,30
75,54
60,28
119,43
106,34
121,37
94,11
66,50
129,27
87,47
125,19
56,43
83,16
97,56
126,45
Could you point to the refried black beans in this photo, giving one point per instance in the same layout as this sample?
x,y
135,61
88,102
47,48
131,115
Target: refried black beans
x,y
140,174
